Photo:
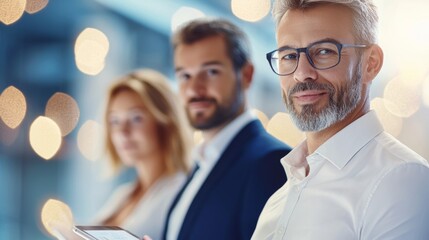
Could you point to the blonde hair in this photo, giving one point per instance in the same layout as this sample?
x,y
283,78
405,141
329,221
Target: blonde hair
x,y
162,103
365,15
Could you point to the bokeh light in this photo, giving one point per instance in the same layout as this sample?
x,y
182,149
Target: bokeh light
x,y
45,137
91,49
13,107
261,116
57,218
391,123
415,18
403,100
89,140
34,6
412,76
282,127
406,43
184,15
11,10
63,109
250,10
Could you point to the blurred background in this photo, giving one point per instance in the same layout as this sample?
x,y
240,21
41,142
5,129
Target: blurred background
x,y
58,57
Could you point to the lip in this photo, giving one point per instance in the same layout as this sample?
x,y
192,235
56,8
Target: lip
x,y
127,146
200,105
309,97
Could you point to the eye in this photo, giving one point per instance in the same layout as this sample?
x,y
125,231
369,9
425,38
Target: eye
x,y
287,55
326,51
182,76
290,56
114,121
212,72
136,118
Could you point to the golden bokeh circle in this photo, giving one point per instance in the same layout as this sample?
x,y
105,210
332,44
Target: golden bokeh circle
x,y
250,10
56,217
45,137
282,127
13,107
11,10
63,109
34,6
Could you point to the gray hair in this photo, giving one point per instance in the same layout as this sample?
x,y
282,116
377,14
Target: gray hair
x,y
365,15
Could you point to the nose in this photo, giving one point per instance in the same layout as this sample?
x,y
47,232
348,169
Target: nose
x,y
124,128
195,86
304,71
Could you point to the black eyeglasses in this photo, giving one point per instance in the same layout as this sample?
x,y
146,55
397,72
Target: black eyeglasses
x,y
321,55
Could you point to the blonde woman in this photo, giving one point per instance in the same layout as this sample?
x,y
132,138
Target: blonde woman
x,y
148,132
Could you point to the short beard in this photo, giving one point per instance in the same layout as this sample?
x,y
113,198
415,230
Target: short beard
x,y
224,113
311,120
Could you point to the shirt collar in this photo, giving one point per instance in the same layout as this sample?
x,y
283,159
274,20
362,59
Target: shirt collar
x,y
295,162
339,149
208,152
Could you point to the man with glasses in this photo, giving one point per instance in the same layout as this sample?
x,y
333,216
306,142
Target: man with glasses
x,y
349,179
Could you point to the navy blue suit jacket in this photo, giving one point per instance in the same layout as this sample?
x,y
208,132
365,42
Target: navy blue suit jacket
x,y
228,204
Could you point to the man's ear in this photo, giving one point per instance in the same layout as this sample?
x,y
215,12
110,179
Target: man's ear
x,y
374,62
247,74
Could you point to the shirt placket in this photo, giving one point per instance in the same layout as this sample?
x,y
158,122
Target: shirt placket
x,y
294,193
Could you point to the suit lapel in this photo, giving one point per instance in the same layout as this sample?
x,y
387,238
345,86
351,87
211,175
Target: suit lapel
x,y
227,159
176,200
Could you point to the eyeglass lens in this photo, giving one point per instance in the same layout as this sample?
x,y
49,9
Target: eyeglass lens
x,y
322,56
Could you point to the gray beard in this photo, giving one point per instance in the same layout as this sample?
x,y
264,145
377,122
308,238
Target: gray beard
x,y
309,120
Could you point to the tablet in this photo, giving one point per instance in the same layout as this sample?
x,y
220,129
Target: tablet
x,y
104,233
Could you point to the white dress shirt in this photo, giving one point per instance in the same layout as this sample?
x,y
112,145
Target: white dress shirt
x,y
362,184
206,155
150,213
